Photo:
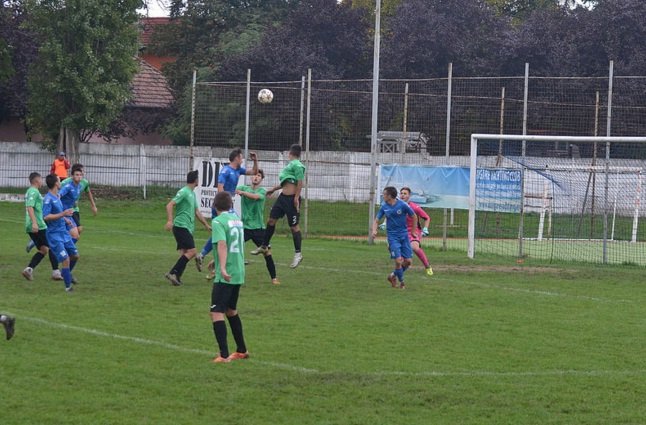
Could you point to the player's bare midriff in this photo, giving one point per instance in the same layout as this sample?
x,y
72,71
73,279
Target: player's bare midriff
x,y
288,189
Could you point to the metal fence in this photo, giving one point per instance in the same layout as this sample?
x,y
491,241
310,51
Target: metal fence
x,y
426,121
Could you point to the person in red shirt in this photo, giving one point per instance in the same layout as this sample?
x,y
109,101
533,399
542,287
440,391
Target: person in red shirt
x,y
60,166
415,234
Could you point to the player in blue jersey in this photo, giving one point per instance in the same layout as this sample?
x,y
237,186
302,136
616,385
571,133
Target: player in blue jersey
x,y
69,193
228,182
395,211
58,237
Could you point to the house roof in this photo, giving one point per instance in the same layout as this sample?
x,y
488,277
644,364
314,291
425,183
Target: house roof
x,y
150,88
148,27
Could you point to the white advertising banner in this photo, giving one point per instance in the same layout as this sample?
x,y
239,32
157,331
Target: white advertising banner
x,y
209,169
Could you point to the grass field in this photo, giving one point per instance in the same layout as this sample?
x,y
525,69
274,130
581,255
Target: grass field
x,y
482,342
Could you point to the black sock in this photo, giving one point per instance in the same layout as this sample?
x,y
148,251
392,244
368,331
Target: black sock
x,y
220,331
269,232
36,259
72,264
271,267
236,330
298,239
53,260
179,267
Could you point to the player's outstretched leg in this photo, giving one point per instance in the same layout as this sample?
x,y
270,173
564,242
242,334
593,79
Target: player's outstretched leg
x,y
9,325
298,240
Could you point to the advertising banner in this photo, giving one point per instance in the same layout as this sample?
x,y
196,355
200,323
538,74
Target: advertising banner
x,y
448,187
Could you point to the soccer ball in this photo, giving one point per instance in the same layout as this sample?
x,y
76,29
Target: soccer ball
x,y
265,96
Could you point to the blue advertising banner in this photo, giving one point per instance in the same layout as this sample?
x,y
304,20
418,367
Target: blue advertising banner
x,y
448,187
498,190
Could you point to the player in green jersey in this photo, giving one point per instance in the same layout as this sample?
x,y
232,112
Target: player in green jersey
x,y
228,237
35,227
253,215
288,203
183,225
84,185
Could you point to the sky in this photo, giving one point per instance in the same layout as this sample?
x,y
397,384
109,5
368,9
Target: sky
x,y
156,8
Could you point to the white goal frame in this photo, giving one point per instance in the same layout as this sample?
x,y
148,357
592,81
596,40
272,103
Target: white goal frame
x,y
476,137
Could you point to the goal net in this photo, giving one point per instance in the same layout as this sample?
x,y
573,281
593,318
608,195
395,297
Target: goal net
x,y
558,198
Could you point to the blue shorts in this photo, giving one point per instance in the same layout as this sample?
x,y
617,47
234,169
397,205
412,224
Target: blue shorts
x,y
399,246
62,246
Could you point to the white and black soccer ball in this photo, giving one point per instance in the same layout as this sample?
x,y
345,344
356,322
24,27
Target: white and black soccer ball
x,y
265,96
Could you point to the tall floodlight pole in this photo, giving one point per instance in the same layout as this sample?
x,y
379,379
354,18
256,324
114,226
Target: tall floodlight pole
x,y
375,116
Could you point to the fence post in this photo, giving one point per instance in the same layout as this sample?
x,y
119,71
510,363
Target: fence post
x,y
307,149
192,141
521,221
402,148
142,168
447,144
375,116
300,127
611,70
246,119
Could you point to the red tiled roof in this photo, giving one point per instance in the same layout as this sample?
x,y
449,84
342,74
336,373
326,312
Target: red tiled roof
x,y
148,26
150,88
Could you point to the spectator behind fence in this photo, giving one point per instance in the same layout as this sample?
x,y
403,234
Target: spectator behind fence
x,y
60,166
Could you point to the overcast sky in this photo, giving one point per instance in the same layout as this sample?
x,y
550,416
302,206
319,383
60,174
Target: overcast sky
x,y
156,8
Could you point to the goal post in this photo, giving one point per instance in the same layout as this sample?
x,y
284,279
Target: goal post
x,y
581,182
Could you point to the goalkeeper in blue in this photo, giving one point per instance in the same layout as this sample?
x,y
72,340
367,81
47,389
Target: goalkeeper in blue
x,y
396,211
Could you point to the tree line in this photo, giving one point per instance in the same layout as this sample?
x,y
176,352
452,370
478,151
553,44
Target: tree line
x,y
65,66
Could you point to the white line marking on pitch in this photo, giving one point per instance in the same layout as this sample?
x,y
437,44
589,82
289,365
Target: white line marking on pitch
x,y
144,341
384,374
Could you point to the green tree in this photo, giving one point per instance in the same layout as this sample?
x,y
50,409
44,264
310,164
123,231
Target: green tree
x,y
519,10
87,58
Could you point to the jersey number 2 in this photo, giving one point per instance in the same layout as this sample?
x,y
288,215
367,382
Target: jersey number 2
x,y
236,240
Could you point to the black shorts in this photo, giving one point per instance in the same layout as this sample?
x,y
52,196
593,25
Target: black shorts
x,y
77,218
39,238
255,235
284,205
183,237
224,296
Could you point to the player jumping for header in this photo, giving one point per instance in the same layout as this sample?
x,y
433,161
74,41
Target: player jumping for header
x,y
415,233
227,182
395,210
288,203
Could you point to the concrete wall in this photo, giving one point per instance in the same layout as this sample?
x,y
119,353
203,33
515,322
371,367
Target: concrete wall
x,y
333,176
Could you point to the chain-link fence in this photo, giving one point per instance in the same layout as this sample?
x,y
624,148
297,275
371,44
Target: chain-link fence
x,y
426,122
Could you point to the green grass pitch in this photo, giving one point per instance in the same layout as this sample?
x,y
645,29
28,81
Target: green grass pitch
x,y
482,342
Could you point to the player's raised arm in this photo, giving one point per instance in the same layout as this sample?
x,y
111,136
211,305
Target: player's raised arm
x,y
170,206
254,157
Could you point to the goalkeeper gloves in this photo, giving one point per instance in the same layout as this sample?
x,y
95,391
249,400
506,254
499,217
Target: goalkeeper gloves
x,y
425,231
